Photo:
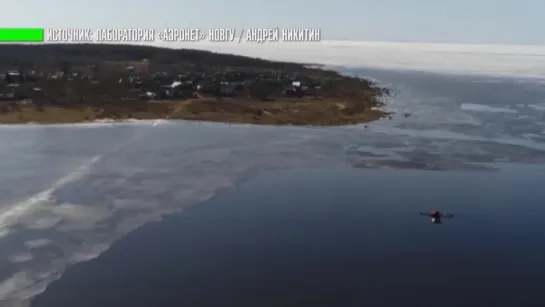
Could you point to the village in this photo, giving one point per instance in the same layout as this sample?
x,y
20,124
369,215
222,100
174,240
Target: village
x,y
73,83
24,87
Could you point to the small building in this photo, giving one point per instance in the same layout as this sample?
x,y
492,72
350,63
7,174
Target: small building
x,y
293,91
175,84
165,92
151,95
238,85
14,77
226,89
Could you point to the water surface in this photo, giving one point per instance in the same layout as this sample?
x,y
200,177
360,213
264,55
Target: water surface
x,y
68,191
332,237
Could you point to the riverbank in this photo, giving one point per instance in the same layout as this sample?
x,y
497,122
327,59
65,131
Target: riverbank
x,y
314,111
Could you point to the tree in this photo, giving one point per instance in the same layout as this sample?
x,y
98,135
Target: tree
x,y
66,67
260,90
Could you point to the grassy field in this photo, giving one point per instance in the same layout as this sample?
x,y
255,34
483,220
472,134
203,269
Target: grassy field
x,y
318,112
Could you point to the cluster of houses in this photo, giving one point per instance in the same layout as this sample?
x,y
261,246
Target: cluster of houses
x,y
162,85
10,84
224,84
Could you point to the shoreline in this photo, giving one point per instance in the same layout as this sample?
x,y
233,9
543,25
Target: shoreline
x,y
309,112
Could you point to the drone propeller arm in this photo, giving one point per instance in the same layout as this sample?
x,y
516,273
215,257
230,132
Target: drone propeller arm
x,y
442,215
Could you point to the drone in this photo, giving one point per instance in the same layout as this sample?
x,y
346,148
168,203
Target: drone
x,y
436,216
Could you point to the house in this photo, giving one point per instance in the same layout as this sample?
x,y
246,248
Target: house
x,y
175,84
208,87
299,88
226,89
14,77
238,85
294,91
165,92
151,95
182,89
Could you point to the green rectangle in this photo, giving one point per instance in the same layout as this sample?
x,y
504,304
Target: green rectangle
x,y
21,35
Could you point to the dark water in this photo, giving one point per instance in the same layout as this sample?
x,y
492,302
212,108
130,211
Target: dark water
x,y
332,237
